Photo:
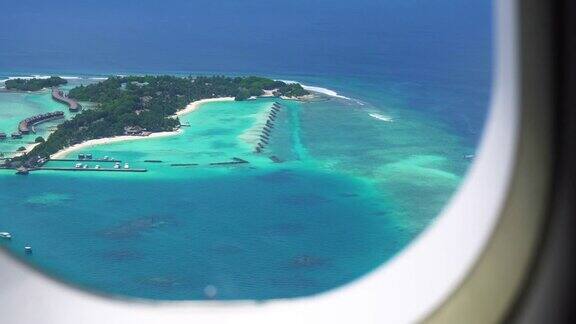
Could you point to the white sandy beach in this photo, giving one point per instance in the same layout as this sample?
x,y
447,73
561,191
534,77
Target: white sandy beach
x,y
196,104
102,141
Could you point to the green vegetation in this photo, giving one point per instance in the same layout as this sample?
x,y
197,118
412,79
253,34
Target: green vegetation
x,y
148,102
255,86
21,149
34,84
39,139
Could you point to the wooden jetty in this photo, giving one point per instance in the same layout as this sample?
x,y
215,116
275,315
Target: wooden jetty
x,y
183,164
59,96
27,125
153,161
86,160
233,162
86,170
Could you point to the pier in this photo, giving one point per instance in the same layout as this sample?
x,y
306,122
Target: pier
x,y
27,125
233,162
59,96
25,171
86,160
86,170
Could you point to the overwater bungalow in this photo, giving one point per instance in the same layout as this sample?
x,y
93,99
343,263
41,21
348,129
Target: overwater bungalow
x,y
60,96
27,125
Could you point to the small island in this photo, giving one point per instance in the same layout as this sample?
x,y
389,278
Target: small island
x,y
144,105
34,84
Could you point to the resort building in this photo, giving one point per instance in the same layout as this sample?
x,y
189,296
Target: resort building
x,y
135,131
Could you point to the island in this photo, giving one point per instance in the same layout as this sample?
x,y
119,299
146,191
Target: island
x,y
34,84
145,105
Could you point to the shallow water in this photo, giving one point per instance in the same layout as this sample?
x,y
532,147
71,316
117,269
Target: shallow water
x,y
350,192
359,178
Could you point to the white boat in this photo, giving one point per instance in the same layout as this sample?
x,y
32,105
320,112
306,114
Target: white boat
x,y
5,235
117,165
126,166
78,165
28,249
97,167
85,166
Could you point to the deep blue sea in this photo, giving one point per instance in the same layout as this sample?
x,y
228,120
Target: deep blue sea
x,y
365,171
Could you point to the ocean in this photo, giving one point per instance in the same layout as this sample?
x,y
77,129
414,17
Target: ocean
x,y
402,94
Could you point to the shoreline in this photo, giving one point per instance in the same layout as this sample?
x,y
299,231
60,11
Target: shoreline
x,y
193,106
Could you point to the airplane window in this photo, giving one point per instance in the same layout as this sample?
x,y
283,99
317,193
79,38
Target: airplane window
x,y
235,151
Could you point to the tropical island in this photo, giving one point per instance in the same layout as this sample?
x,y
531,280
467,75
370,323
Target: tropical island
x,y
34,84
144,105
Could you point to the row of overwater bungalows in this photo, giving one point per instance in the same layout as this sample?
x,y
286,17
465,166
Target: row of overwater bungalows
x,y
264,137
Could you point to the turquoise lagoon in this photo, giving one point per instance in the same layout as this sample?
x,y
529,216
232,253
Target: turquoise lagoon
x,y
356,184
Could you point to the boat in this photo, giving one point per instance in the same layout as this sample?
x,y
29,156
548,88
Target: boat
x,y
78,165
85,166
117,165
28,249
22,171
5,235
126,166
97,167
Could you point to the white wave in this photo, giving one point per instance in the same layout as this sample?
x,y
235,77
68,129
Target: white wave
x,y
325,91
381,117
37,76
98,78
28,77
